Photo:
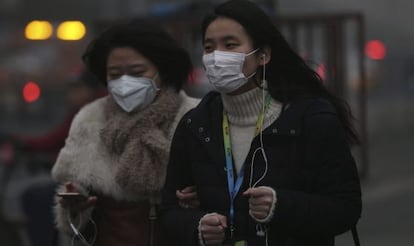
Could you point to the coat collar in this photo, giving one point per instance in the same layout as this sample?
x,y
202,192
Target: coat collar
x,y
205,120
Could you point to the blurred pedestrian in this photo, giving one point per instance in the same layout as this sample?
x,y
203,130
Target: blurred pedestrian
x,y
79,91
114,161
269,152
36,191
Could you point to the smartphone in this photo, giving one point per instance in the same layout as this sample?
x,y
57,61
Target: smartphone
x,y
71,195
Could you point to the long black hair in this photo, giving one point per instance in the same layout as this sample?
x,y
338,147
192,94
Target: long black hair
x,y
288,75
152,41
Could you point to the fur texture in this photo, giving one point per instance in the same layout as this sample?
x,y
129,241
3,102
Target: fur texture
x,y
139,143
118,154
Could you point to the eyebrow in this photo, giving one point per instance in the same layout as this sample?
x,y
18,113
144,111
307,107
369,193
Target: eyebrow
x,y
131,66
224,38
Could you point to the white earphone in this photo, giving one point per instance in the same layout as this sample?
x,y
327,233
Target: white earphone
x,y
78,234
261,230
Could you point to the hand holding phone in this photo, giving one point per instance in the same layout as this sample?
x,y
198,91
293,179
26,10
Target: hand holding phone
x,y
74,200
71,195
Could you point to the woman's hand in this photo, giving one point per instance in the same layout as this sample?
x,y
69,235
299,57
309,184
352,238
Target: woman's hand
x,y
212,229
187,197
261,202
76,203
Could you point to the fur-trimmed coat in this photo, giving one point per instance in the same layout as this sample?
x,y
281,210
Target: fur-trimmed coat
x,y
120,155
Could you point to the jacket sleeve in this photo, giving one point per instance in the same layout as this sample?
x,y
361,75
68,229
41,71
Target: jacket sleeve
x,y
63,171
180,223
333,203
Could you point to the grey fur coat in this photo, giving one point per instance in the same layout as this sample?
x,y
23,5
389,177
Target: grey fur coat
x,y
117,154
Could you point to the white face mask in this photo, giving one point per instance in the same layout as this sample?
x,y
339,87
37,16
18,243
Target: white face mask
x,y
132,92
224,70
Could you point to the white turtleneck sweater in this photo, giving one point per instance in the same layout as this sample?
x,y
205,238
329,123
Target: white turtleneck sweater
x,y
242,112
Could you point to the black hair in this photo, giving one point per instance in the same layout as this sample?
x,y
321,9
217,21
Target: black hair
x,y
288,75
150,40
90,80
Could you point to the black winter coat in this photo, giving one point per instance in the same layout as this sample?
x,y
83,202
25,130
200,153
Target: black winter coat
x,y
310,168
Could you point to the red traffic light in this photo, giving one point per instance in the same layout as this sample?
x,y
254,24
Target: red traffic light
x,y
375,50
31,92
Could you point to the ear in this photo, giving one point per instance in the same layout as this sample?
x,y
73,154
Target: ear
x,y
265,55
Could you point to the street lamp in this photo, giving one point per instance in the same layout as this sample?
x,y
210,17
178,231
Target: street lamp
x,y
71,30
38,30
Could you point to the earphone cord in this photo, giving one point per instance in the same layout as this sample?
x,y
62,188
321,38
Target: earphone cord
x,y
260,228
264,83
78,234
261,148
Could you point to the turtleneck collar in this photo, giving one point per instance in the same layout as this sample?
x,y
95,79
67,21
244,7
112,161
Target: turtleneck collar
x,y
243,109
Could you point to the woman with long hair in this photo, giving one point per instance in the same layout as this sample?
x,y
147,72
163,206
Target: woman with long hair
x,y
269,151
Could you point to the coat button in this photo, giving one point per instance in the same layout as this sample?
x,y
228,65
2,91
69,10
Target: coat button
x,y
274,130
292,131
201,129
188,121
207,139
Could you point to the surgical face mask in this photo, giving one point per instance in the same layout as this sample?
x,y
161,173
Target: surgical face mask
x,y
132,93
224,70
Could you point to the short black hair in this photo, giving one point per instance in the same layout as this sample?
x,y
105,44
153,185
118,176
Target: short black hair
x,y
150,40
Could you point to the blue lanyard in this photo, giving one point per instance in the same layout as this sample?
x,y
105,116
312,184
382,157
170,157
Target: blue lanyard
x,y
235,187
